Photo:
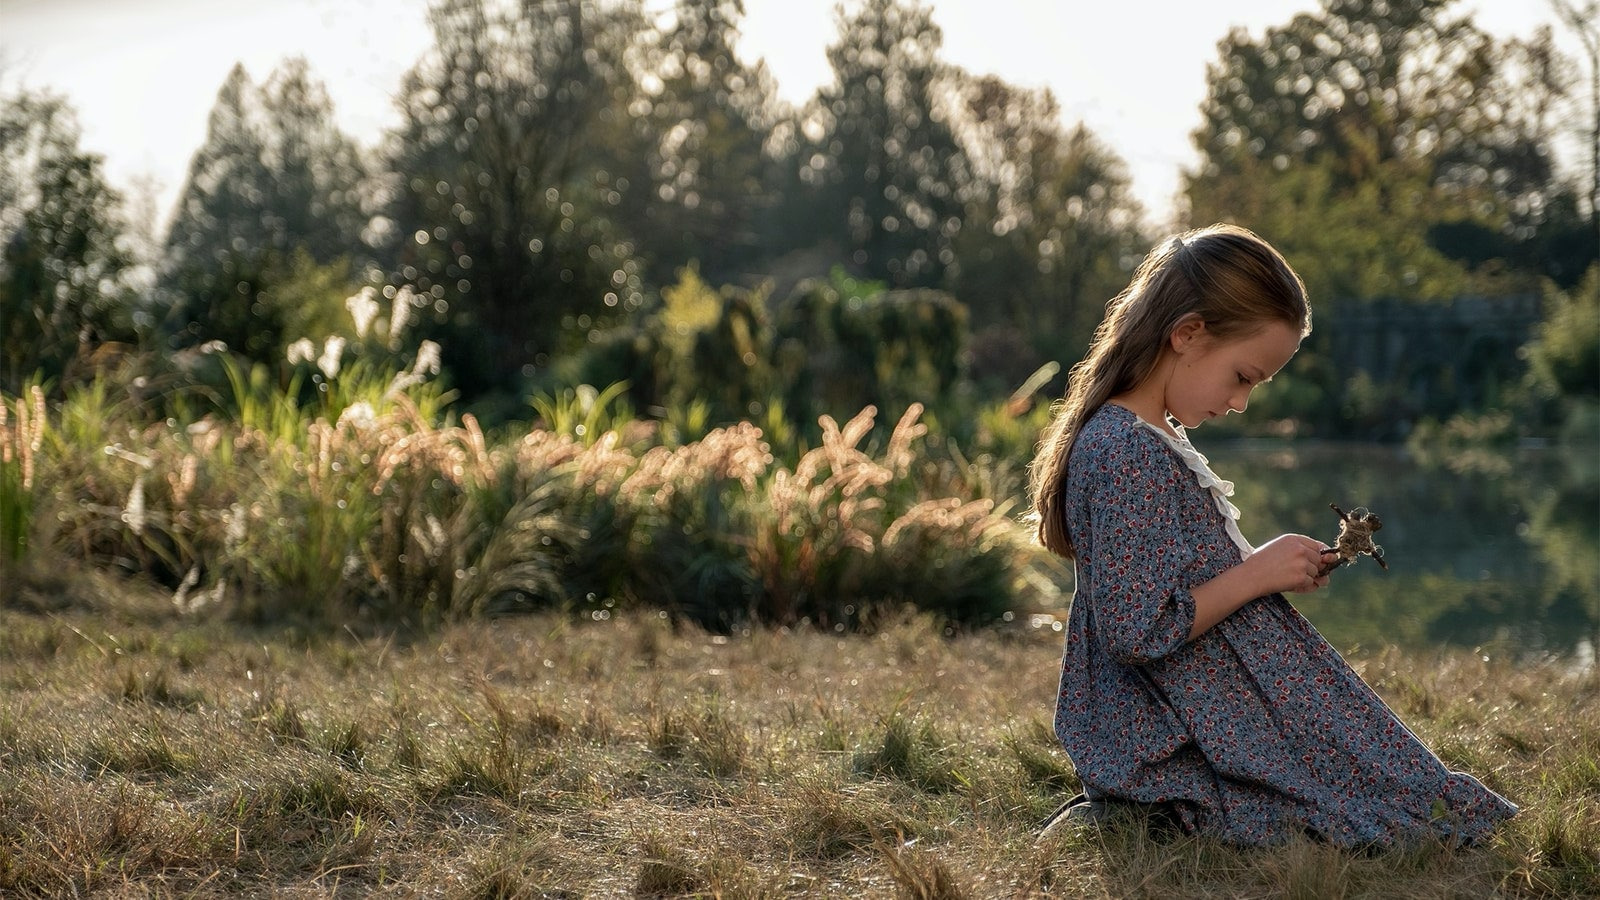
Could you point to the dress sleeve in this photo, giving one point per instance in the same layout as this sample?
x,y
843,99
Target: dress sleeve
x,y
1141,600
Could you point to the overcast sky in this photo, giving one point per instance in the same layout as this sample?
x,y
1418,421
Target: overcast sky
x,y
143,74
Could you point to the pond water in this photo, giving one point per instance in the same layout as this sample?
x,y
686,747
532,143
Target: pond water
x,y
1494,551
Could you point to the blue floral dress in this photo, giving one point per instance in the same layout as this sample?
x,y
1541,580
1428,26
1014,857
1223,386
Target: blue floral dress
x,y
1258,729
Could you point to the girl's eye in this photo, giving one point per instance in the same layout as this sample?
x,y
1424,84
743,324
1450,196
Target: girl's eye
x,y
1242,379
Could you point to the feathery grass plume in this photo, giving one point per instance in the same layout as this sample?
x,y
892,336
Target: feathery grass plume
x,y
809,549
363,307
847,536
687,506
306,544
355,494
320,474
472,530
113,485
19,454
421,478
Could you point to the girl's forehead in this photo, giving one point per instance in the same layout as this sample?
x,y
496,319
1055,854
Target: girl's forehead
x,y
1268,347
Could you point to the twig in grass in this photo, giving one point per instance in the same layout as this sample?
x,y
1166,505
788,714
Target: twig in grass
x,y
81,634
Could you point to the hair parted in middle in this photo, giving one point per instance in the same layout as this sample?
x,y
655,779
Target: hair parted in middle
x,y
1234,281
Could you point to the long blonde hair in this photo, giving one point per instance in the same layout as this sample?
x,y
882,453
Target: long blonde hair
x,y
1232,279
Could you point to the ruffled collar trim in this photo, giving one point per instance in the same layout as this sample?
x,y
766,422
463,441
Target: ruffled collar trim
x,y
1219,488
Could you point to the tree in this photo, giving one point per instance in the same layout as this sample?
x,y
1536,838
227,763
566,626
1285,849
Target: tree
x,y
1529,217
887,171
1051,227
1413,120
1563,356
705,116
1584,22
317,170
61,252
274,178
500,204
1358,84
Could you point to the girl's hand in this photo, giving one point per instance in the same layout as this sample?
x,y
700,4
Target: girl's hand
x,y
1289,564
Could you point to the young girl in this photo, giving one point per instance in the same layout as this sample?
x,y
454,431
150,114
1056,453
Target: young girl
x,y
1189,685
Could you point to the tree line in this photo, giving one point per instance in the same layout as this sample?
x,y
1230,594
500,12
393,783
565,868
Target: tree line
x,y
562,167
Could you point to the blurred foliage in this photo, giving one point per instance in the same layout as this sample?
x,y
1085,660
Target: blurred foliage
x,y
584,193
1397,154
1052,228
1565,355
744,362
274,190
844,341
887,169
63,258
1368,240
367,500
501,207
710,356
1563,379
1353,133
707,190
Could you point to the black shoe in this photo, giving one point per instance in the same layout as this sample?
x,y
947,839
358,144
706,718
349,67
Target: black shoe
x,y
1160,820
1080,810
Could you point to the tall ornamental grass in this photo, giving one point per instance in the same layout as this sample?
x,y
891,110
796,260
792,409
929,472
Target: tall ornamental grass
x,y
22,424
364,496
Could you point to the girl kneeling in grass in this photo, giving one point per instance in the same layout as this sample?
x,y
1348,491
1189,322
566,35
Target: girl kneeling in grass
x,y
1189,684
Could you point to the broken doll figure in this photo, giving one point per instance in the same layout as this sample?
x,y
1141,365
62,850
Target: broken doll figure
x,y
1355,538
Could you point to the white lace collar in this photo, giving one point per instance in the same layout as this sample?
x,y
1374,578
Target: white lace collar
x,y
1220,489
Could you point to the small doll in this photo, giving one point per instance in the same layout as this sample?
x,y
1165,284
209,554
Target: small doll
x,y
1355,538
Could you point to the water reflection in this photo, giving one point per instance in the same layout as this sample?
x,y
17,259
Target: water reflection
x,y
1496,551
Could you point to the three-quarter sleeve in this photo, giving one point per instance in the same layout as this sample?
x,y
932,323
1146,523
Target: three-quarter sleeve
x,y
1141,563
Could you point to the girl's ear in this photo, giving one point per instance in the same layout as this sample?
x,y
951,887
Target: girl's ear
x,y
1189,329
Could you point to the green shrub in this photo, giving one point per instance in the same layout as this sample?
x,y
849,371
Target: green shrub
x,y
363,495
838,347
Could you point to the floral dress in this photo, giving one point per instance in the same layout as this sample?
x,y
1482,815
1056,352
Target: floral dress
x,y
1258,729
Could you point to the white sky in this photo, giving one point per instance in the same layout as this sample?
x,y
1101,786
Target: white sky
x,y
143,74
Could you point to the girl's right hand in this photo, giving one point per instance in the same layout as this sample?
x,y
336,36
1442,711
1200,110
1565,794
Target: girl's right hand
x,y
1289,564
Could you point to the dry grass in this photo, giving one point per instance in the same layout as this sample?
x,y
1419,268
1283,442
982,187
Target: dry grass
x,y
144,753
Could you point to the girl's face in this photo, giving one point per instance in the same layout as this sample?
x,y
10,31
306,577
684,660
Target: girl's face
x,y
1211,378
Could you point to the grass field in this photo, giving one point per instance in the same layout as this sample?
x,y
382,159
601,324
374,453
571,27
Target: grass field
x,y
147,753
